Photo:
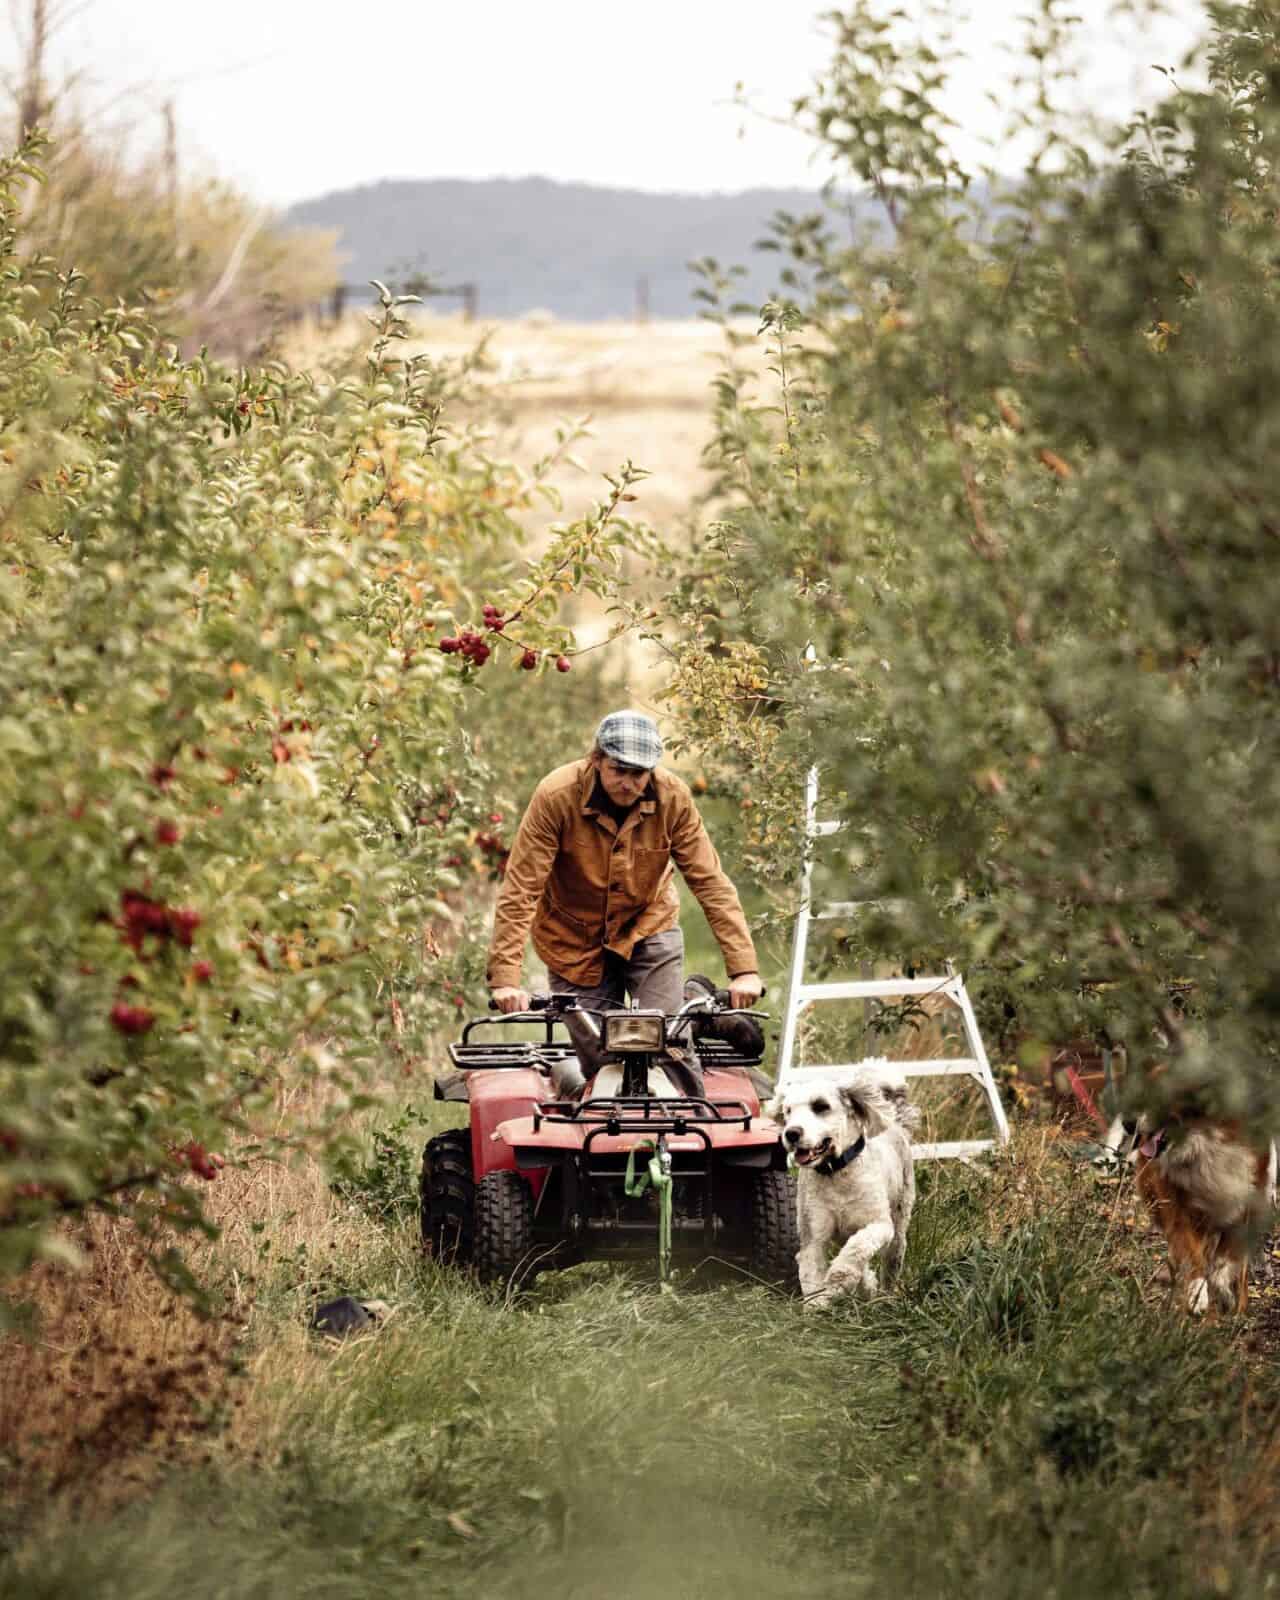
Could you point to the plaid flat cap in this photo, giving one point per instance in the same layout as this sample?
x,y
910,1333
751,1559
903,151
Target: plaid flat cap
x,y
631,738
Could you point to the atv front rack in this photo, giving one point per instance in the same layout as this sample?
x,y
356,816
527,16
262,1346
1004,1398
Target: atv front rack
x,y
615,1114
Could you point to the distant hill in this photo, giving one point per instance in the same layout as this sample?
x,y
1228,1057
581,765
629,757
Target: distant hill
x,y
569,248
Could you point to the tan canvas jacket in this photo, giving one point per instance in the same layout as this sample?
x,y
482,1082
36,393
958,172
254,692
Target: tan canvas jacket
x,y
584,885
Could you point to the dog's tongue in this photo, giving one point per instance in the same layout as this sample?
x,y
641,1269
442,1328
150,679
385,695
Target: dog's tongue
x,y
1150,1147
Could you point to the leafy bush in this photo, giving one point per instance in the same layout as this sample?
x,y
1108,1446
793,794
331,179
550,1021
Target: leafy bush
x,y
384,1180
1001,561
212,267
245,782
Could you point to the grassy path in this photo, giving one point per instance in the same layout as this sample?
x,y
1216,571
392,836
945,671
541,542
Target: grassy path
x,y
1019,1419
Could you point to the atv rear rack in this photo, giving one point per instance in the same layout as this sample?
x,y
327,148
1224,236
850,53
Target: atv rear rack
x,y
513,1053
509,1055
615,1114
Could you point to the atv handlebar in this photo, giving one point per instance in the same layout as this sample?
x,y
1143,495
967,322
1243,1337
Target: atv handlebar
x,y
713,1004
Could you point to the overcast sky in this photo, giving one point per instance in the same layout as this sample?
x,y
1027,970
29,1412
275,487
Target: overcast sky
x,y
292,98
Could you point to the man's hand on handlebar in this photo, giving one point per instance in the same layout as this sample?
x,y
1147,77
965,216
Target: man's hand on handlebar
x,y
745,990
509,999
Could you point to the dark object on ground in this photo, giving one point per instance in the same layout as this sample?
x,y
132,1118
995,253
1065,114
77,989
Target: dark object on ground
x,y
345,1316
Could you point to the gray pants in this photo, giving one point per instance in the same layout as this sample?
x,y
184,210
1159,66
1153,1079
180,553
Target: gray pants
x,y
653,977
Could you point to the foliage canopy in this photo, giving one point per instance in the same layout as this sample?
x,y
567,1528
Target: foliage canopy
x,y
243,793
1003,561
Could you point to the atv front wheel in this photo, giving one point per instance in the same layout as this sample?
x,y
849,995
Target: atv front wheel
x,y
775,1234
504,1227
447,1198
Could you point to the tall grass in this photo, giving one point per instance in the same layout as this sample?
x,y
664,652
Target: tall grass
x,y
1024,1415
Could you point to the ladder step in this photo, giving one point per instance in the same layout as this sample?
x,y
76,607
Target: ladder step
x,y
949,987
875,988
946,1067
949,1068
953,1147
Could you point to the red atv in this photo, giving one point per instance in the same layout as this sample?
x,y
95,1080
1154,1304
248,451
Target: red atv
x,y
617,1130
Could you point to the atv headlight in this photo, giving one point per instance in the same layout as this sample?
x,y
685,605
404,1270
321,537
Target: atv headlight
x,y
630,1032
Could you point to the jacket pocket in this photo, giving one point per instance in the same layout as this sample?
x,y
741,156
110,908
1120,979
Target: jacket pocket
x,y
555,914
648,868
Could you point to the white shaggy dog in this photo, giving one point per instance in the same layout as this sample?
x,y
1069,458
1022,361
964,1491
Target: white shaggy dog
x,y
849,1136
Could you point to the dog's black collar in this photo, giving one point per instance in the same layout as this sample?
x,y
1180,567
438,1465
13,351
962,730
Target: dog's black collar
x,y
830,1165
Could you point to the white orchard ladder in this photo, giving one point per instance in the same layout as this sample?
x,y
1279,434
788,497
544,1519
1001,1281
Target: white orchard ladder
x,y
949,986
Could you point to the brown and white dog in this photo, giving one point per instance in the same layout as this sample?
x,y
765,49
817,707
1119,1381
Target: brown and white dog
x,y
1211,1194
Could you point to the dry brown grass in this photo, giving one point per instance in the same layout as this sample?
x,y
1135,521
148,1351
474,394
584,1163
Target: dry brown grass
x,y
118,1376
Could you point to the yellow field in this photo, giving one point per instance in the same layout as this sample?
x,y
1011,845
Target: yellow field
x,y
646,388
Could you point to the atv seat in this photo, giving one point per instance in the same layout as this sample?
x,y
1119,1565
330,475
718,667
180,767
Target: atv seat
x,y
608,1083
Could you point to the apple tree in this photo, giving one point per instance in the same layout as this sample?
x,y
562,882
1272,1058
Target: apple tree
x,y
1000,555
268,649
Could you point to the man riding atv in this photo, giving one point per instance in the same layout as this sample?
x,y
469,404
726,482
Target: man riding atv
x,y
590,874
546,1167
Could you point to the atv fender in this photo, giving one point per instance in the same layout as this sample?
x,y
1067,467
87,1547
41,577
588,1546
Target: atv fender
x,y
451,1086
496,1097
762,1086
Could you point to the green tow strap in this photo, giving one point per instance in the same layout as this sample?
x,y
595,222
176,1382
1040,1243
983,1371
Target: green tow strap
x,y
658,1177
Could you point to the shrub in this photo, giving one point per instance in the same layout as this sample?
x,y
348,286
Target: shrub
x,y
1001,560
240,783
211,267
384,1179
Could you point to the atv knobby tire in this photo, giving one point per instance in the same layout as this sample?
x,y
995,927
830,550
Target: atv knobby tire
x,y
447,1198
775,1234
504,1228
